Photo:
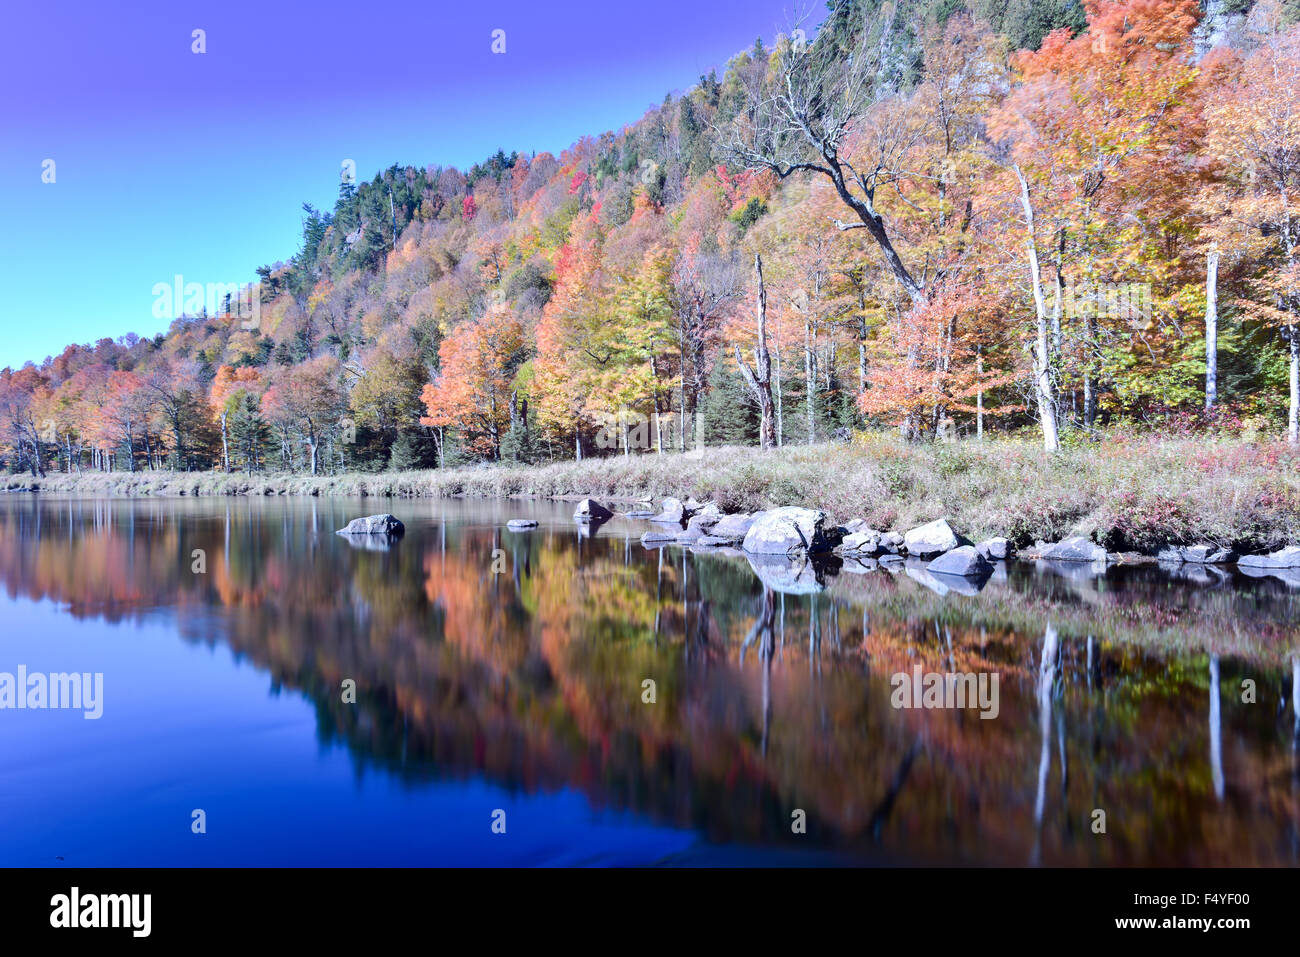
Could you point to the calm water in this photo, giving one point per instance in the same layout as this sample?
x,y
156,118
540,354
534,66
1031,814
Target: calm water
x,y
500,671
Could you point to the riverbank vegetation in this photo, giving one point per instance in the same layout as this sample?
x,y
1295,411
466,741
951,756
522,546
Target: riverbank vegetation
x,y
1142,494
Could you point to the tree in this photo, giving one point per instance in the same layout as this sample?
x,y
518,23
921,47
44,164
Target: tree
x,y
1254,133
309,398
471,392
759,379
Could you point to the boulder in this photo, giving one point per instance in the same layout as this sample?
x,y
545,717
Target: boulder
x,y
1076,549
521,524
589,510
933,538
863,541
787,531
700,523
729,529
891,542
994,549
641,510
384,524
965,561
1288,557
671,512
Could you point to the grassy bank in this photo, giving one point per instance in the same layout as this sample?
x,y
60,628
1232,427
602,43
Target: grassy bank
x,y
1125,493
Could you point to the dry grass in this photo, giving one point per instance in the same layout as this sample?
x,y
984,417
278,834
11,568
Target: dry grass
x,y
1126,493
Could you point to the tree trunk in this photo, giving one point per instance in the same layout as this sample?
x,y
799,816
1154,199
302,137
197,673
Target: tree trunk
x,y
1293,417
760,378
225,444
1042,369
1212,329
810,379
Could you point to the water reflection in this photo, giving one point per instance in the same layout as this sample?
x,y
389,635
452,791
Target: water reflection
x,y
519,659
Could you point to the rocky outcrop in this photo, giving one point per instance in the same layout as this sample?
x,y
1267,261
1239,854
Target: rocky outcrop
x,y
1076,549
933,538
1195,554
383,525
700,523
787,531
589,510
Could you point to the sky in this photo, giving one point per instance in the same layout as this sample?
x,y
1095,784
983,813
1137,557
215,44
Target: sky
x,y
169,162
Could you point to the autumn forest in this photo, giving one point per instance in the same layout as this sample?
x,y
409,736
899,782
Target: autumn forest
x,y
932,220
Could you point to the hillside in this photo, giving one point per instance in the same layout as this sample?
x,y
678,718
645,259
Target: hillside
x,y
934,233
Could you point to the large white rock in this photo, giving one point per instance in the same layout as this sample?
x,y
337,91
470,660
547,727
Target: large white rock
x,y
930,539
787,531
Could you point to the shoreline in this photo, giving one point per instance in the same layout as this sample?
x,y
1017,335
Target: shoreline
x,y
1130,496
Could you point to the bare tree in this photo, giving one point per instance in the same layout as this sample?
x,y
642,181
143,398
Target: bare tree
x,y
800,121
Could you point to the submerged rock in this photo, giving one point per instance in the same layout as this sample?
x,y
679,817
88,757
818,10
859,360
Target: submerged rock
x,y
385,525
589,510
521,524
786,531
1075,549
964,562
656,538
1288,557
930,539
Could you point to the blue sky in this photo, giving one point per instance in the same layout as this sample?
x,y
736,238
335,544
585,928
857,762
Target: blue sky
x,y
169,162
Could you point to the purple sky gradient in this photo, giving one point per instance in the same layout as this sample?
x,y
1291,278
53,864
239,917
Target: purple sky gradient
x,y
170,162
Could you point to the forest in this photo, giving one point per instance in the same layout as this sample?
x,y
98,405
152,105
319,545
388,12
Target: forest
x,y
942,220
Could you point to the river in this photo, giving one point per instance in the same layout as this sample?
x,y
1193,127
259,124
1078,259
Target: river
x,y
273,694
